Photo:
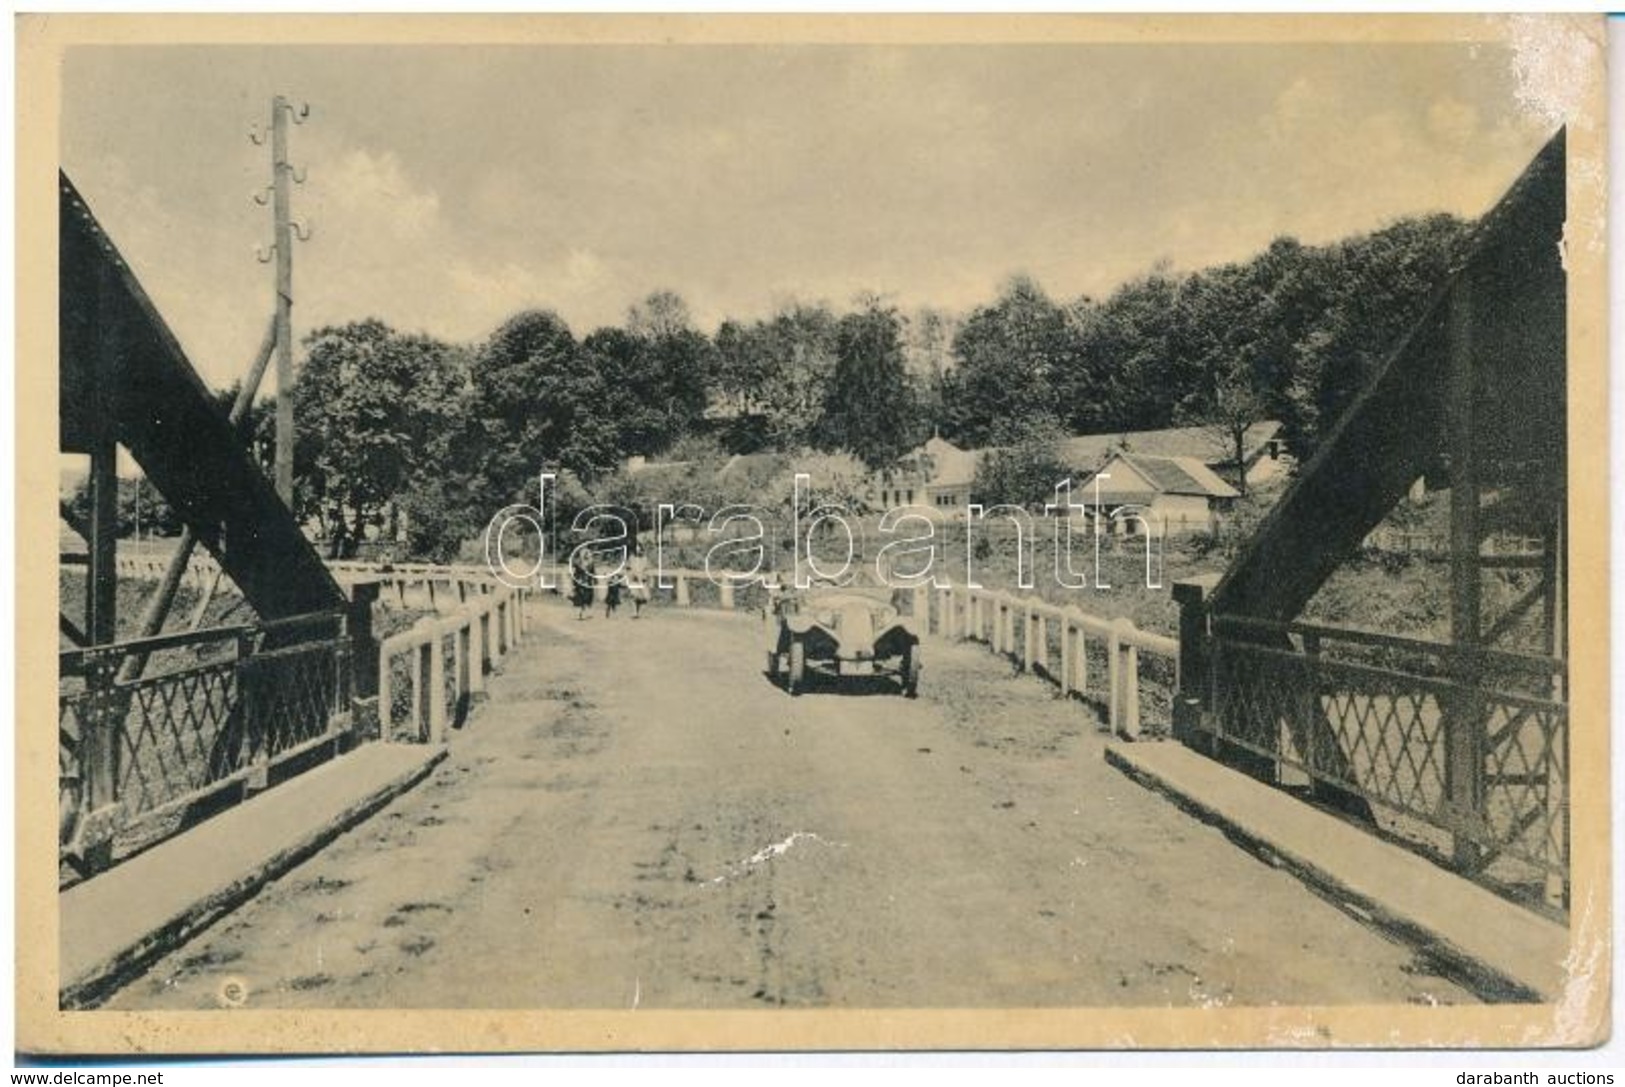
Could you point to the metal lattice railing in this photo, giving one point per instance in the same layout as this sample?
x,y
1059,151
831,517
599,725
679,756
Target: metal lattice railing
x,y
177,734
1467,749
219,707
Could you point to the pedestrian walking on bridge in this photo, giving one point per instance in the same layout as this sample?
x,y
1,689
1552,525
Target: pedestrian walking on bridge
x,y
583,578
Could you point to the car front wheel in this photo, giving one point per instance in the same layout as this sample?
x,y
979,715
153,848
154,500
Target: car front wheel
x,y
911,671
797,678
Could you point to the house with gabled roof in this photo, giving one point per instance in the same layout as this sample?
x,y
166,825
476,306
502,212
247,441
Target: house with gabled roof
x,y
935,478
1196,468
1263,453
1135,493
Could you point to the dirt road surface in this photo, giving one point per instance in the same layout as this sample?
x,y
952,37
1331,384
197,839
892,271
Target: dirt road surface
x,y
639,818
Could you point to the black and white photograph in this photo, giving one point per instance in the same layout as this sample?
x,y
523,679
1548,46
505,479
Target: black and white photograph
x,y
837,532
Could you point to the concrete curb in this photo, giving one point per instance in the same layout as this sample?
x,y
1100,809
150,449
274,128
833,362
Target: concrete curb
x,y
1492,971
95,984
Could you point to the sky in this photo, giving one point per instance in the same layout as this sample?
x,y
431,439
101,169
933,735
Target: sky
x,y
450,186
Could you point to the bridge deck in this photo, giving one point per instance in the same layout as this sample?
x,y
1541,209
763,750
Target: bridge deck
x,y
115,923
639,818
1403,892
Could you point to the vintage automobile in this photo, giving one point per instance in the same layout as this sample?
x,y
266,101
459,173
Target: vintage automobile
x,y
842,630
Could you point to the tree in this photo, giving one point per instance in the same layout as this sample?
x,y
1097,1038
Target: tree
x,y
928,349
797,351
869,408
661,313
537,402
737,375
1232,409
1132,343
1009,355
632,393
674,373
1026,465
139,507
1371,290
368,400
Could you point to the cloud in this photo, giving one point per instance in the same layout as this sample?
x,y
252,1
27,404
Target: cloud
x,y
371,190
445,196
388,246
200,274
479,296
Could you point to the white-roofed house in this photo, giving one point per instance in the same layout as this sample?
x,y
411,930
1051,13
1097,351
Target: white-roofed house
x,y
1139,492
934,479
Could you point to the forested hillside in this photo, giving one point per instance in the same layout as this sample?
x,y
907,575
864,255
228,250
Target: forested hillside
x,y
394,422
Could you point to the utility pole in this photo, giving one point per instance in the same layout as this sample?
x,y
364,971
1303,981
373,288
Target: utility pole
x,y
283,177
284,299
278,341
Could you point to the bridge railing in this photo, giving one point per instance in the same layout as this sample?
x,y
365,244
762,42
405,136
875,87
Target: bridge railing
x,y
151,566
221,708
1460,752
1131,674
1107,661
434,670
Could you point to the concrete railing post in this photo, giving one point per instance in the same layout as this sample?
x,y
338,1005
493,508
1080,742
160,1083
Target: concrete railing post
x,y
1080,657
476,651
682,591
1114,668
1026,636
1131,692
460,647
1126,693
1067,648
1042,657
386,695
436,690
725,594
420,686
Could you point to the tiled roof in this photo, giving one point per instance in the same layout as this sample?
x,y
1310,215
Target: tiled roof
x,y
1166,475
1181,475
1089,451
